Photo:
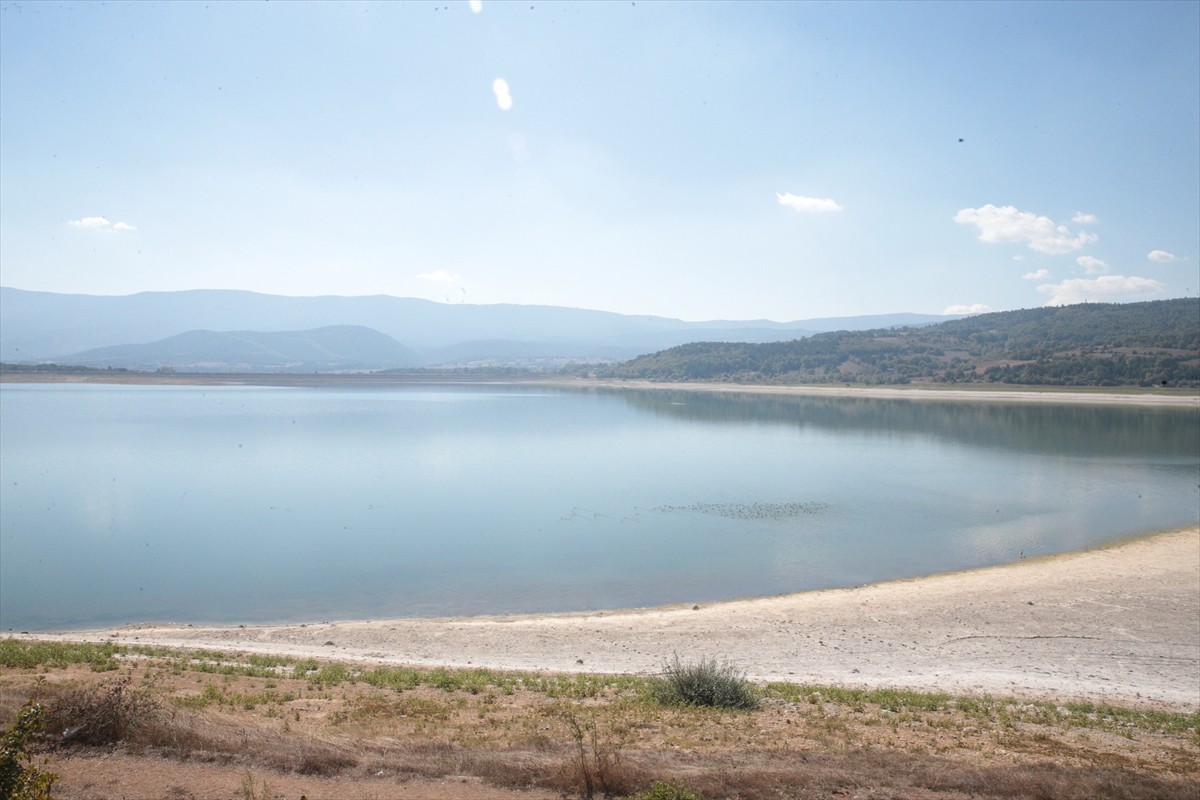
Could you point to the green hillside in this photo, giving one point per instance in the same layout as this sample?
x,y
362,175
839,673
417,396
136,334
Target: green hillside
x,y
1091,344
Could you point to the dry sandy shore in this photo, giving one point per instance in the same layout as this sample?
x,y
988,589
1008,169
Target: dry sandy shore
x,y
1120,623
1088,396
1008,395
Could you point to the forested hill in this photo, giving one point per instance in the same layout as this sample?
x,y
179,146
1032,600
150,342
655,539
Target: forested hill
x,y
1092,344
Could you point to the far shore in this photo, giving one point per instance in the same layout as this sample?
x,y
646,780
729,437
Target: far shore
x,y
1119,624
1020,394
1092,395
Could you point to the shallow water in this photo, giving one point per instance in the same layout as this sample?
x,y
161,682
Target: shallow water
x,y
247,504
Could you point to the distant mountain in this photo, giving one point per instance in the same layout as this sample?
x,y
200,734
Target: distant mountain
x,y
337,348
43,326
1093,344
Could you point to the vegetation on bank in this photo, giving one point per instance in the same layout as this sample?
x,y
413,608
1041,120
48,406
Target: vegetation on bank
x,y
588,734
57,369
1090,344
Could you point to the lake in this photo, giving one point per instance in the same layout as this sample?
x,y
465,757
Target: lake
x,y
254,504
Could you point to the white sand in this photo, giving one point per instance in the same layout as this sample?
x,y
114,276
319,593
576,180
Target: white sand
x,y
1065,395
1120,624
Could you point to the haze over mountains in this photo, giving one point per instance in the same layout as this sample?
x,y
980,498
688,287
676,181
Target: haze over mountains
x,y
217,330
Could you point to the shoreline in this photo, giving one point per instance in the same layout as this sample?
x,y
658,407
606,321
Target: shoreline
x,y
1127,395
1119,623
1022,394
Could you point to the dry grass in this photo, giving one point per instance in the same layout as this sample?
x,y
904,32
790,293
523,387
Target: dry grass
x,y
595,735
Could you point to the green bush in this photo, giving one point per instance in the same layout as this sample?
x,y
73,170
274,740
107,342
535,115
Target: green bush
x,y
666,791
704,683
20,778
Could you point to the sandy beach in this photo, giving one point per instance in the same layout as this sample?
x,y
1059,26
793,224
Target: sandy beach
x,y
1121,623
1089,396
976,392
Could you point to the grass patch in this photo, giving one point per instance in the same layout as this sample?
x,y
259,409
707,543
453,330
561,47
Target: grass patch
x,y
330,675
661,790
988,709
894,700
395,678
25,654
1091,715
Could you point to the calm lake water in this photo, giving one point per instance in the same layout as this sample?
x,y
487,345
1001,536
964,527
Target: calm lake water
x,y
244,504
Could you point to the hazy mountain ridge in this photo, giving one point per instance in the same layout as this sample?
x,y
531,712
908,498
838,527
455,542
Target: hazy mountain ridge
x,y
43,326
1154,343
333,348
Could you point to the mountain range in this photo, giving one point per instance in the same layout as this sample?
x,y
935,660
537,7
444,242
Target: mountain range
x,y
237,331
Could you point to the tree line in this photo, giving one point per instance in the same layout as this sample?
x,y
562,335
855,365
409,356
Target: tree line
x,y
1153,343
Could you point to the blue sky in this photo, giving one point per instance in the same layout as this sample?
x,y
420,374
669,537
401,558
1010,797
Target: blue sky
x,y
701,161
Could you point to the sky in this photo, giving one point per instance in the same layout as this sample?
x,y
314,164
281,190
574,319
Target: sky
x,y
700,161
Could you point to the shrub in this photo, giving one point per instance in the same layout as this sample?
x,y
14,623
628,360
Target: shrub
x,y
20,778
704,683
598,766
666,791
109,712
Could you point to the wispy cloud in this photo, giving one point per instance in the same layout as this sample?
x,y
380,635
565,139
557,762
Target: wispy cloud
x,y
1162,256
1093,265
807,205
503,95
476,5
1039,275
1003,224
100,224
95,223
1081,218
439,276
1106,288
974,308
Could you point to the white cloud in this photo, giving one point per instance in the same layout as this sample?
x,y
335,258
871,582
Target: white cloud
x,y
1040,275
1081,218
101,224
95,223
1002,224
807,205
976,308
503,95
1161,256
1093,265
439,276
1106,288
476,5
